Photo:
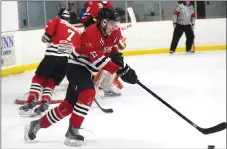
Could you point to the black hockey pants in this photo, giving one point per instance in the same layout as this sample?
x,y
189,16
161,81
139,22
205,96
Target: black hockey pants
x,y
178,31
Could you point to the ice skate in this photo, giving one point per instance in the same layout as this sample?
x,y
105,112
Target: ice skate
x,y
113,91
31,130
73,137
28,108
41,108
190,51
111,94
171,52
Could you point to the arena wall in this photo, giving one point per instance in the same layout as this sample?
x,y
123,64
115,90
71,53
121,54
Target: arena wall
x,y
23,50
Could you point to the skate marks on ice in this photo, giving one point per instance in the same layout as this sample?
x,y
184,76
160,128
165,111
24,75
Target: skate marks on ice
x,y
119,142
139,120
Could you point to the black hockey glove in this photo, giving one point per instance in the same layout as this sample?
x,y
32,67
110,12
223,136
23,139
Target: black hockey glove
x,y
128,75
118,59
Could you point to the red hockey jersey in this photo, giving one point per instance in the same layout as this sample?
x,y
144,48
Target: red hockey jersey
x,y
62,37
95,50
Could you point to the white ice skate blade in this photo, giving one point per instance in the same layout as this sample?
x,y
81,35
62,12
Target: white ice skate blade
x,y
34,114
190,53
112,94
26,129
73,143
26,113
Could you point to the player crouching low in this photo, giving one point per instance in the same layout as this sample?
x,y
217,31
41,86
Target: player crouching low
x,y
62,38
96,49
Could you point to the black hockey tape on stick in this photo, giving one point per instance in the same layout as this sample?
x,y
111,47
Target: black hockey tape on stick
x,y
205,131
103,110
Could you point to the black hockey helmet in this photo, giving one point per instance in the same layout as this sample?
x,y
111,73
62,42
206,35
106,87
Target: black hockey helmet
x,y
108,14
64,14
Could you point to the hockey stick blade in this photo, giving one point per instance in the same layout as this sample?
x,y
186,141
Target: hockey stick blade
x,y
104,110
206,131
214,129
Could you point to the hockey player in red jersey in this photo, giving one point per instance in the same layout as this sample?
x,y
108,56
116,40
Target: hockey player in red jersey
x,y
90,17
110,84
97,46
92,9
62,38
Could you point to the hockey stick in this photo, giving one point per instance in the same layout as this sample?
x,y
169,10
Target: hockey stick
x,y
127,26
193,46
22,99
103,110
131,15
193,43
205,131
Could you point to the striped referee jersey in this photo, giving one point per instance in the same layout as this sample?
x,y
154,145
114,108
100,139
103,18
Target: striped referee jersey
x,y
184,15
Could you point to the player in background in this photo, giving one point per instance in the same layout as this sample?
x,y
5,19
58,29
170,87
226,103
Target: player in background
x,y
97,43
62,37
92,9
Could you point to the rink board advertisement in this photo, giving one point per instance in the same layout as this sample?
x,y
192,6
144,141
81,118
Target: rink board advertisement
x,y
8,56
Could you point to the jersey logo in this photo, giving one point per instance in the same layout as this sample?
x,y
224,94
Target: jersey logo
x,y
107,49
88,45
101,41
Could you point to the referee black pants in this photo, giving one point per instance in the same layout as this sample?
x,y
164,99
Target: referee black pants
x,y
178,31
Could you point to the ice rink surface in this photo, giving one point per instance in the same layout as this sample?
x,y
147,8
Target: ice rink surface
x,y
195,84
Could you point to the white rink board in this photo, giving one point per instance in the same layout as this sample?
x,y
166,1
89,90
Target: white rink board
x,y
143,35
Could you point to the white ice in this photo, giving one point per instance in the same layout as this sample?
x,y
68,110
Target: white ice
x,y
195,84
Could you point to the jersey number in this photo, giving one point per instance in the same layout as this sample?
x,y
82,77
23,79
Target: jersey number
x,y
71,33
94,54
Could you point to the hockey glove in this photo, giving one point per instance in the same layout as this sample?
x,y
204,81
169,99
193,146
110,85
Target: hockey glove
x,y
118,59
128,75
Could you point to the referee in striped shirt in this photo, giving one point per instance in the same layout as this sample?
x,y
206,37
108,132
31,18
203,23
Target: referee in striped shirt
x,y
183,21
